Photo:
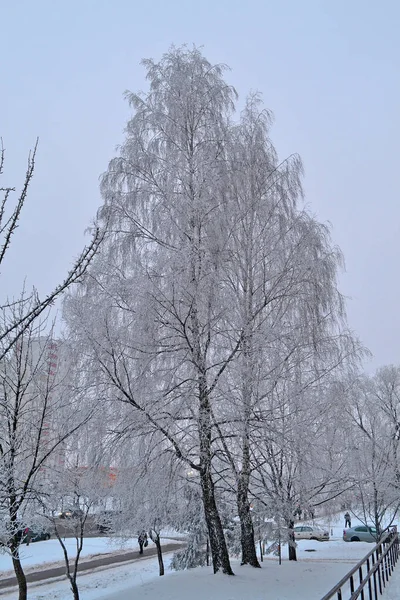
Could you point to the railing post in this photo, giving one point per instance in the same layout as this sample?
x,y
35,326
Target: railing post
x,y
360,574
379,572
369,580
375,587
385,568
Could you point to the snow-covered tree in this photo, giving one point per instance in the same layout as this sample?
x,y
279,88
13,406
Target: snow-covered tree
x,y
212,309
190,519
25,394
164,199
39,410
83,488
18,315
148,488
373,426
282,281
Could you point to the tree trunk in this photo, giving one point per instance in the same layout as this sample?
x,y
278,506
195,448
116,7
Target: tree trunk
x,y
292,542
219,550
249,556
74,588
15,541
72,574
20,575
159,555
261,551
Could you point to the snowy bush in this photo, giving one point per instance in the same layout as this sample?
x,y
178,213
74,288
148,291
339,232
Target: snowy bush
x,y
194,555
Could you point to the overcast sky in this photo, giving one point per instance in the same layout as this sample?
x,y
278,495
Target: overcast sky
x,y
329,70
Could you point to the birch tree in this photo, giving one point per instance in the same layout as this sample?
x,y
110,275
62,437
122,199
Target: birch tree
x,y
282,282
213,282
163,197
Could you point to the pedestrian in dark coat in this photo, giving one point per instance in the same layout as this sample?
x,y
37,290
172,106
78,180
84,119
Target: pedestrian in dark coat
x,y
142,540
347,519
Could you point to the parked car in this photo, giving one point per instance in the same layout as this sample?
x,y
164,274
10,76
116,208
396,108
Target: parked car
x,y
34,535
360,533
310,532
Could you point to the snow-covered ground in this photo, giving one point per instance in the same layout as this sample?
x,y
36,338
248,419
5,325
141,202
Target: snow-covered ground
x,y
99,584
290,581
320,566
308,579
312,576
392,591
336,550
45,554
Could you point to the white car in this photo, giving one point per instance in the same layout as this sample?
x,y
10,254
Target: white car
x,y
308,532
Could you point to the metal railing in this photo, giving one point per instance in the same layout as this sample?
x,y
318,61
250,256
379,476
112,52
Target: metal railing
x,y
369,577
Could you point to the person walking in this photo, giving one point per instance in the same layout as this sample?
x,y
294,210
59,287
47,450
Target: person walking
x,y
347,519
142,540
28,536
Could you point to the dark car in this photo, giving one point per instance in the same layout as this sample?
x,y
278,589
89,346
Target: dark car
x,y
30,534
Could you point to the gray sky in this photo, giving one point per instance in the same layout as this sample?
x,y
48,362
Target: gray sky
x,y
329,70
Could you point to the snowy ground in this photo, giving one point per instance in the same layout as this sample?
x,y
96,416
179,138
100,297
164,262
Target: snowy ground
x,y
99,584
308,579
392,591
312,576
48,553
320,566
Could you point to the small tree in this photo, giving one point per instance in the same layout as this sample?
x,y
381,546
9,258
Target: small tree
x,y
149,488
374,409
16,316
39,411
84,488
154,534
191,522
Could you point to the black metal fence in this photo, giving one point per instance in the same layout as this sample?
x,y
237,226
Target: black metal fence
x,y
368,579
